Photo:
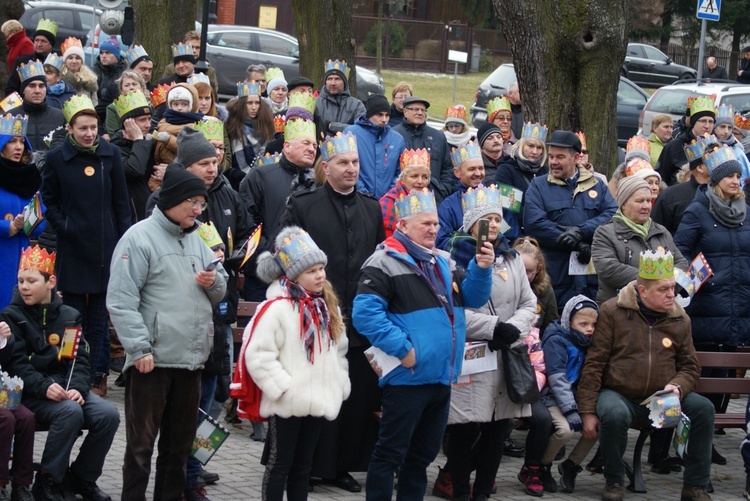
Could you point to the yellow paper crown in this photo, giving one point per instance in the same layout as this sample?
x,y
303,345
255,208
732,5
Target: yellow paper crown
x,y
36,258
481,195
302,100
534,131
70,42
272,73
497,104
702,103
466,152
335,145
638,143
415,158
209,235
47,25
457,112
299,128
416,202
14,125
75,105
159,94
268,159
30,70
248,88
211,128
133,100
337,65
656,265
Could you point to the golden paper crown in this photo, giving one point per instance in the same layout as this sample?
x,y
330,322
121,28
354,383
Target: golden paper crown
x,y
159,94
198,77
298,128
77,104
497,104
133,100
337,65
694,150
36,258
457,112
47,25
702,103
272,73
534,131
416,202
268,159
278,123
656,265
638,143
211,128
248,88
415,158
209,235
182,49
134,53
636,164
335,145
466,152
30,70
582,138
70,42
741,122
481,195
14,125
302,100
718,157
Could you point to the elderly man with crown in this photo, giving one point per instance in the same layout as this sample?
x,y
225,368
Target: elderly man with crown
x,y
56,386
348,226
410,306
335,104
44,40
643,330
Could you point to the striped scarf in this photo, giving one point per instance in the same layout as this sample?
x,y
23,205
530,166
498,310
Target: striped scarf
x,y
314,320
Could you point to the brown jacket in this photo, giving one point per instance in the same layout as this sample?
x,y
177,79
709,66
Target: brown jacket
x,y
635,359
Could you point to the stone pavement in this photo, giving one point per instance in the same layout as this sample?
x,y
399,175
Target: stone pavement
x,y
238,464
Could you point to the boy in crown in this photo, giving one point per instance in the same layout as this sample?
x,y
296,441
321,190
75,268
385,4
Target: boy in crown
x,y
57,390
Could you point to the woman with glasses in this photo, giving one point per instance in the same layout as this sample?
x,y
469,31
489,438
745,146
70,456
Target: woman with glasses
x,y
456,131
401,91
500,113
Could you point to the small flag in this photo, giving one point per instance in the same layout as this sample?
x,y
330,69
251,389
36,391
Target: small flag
x,y
70,341
208,438
12,101
252,244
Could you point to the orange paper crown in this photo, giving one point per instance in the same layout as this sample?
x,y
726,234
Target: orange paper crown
x,y
741,122
582,138
70,42
638,143
415,158
36,258
457,111
278,123
637,164
159,94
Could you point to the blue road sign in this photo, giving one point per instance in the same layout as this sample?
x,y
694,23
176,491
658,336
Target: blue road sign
x,y
708,10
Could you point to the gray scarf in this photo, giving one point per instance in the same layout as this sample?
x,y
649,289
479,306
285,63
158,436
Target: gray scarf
x,y
730,214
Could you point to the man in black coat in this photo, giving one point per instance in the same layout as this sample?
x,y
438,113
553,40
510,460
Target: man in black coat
x,y
713,71
743,74
347,225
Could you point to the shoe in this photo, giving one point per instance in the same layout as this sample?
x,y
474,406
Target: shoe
x,y
613,492
121,380
100,384
532,477
46,489
4,495
568,471
347,482
596,465
694,493
259,432
717,458
443,487
511,449
89,491
548,481
209,477
196,493
116,364
21,493
560,454
231,416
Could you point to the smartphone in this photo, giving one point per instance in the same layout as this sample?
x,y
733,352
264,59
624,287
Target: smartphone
x,y
483,233
212,265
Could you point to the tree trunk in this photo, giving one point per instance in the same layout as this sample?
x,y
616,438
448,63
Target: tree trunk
x,y
568,55
158,34
9,9
324,31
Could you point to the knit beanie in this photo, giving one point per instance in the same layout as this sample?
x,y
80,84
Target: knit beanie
x,y
298,81
276,82
179,93
484,131
474,214
336,72
192,147
299,112
627,186
644,173
573,306
294,252
725,169
377,104
46,34
703,113
112,46
178,185
74,50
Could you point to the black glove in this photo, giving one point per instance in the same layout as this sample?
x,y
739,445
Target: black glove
x,y
574,420
584,253
503,335
570,238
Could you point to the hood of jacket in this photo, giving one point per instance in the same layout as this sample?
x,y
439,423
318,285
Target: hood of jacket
x,y
379,131
575,336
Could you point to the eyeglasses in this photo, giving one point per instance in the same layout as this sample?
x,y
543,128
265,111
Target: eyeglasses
x,y
195,204
705,121
417,110
584,152
502,119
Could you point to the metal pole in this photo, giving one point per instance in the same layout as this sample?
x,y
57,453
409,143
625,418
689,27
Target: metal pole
x,y
702,48
202,64
93,35
455,80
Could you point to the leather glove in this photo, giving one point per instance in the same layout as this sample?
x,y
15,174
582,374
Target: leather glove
x,y
574,420
570,238
503,335
584,253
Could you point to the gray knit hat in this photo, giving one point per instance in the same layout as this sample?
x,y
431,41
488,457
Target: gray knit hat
x,y
192,147
627,186
295,251
573,306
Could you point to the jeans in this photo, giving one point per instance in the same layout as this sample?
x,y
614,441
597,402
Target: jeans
x,y
65,419
93,309
617,412
17,428
164,402
411,430
208,387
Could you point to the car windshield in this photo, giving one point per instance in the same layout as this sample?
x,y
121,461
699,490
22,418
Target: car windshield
x,y
672,101
740,102
502,77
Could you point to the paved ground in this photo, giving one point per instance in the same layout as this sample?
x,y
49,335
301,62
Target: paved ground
x,y
238,464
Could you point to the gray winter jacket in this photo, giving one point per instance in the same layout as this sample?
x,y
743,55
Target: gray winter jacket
x,y
341,107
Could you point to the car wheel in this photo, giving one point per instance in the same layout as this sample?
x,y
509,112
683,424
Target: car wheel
x,y
686,76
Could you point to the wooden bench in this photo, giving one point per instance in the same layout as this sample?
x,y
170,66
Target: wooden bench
x,y
706,386
246,310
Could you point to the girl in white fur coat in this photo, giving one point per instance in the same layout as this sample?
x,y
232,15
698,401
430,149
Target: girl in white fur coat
x,y
297,356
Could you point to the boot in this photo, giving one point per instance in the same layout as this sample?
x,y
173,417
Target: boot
x,y
548,481
694,493
568,472
532,477
443,487
613,492
100,384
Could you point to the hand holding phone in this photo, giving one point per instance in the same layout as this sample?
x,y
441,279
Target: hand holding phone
x,y
212,265
483,233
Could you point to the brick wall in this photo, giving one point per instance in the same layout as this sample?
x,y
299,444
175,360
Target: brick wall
x,y
225,10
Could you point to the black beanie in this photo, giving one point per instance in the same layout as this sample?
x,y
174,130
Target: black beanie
x,y
37,78
377,104
484,131
298,81
46,34
336,72
178,185
701,114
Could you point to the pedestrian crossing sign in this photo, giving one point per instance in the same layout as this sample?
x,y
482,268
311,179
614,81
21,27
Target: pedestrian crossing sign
x,y
709,9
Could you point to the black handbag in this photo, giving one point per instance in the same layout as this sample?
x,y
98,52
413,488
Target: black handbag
x,y
520,379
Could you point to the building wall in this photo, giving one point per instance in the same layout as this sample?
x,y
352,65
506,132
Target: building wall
x,y
247,13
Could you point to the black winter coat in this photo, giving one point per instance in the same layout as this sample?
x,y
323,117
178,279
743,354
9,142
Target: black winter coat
x,y
670,206
108,89
138,164
442,180
43,119
673,157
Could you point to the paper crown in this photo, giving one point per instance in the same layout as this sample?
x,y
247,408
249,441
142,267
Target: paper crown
x,y
534,131
335,145
636,164
134,53
294,247
182,49
70,42
75,105
302,100
209,234
272,73
54,60
725,112
481,195
133,100
212,129
30,70
638,143
741,122
47,25
298,128
416,202
337,65
248,88
458,111
278,123
159,94
268,159
497,104
14,125
466,152
36,258
11,391
656,265
582,138
415,158
198,77
694,149
702,103
718,157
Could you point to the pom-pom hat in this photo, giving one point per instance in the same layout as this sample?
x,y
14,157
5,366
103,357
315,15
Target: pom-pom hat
x,y
295,251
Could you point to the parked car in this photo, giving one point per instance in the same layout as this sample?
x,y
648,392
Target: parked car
x,y
231,49
672,100
73,20
650,67
630,101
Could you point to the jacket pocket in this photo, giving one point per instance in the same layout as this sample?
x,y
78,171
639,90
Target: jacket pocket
x,y
155,330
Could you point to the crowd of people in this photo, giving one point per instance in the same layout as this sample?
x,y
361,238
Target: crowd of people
x,y
385,257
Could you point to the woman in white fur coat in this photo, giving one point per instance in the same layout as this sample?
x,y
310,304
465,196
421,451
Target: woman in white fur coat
x,y
297,356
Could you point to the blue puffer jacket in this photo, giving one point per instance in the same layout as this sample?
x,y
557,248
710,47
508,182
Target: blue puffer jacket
x,y
720,310
397,309
564,353
379,151
550,203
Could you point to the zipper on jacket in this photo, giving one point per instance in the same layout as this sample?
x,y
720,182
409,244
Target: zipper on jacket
x,y
650,353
